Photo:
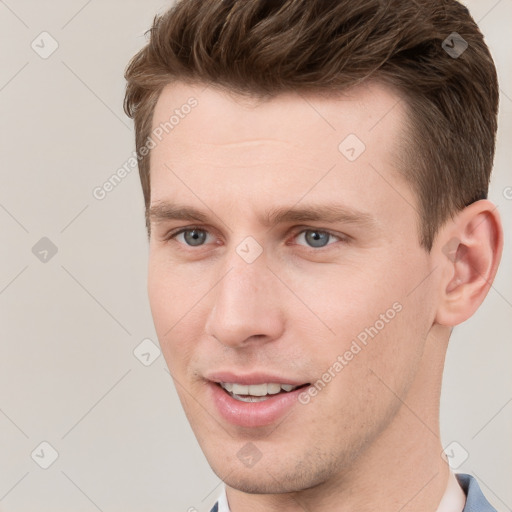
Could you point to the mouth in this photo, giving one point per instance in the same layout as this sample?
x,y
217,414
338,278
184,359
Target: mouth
x,y
257,392
256,399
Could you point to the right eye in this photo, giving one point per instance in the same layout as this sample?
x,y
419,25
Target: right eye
x,y
191,236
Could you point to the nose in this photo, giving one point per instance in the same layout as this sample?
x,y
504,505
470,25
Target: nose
x,y
245,304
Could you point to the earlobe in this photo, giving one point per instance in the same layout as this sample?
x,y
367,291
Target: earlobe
x,y
469,250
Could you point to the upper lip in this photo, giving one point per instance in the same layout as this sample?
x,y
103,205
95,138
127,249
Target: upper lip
x,y
252,378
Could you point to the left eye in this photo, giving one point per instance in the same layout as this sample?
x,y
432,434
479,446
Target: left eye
x,y
316,238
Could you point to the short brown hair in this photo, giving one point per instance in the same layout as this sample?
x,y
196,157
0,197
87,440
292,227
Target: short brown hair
x,y
261,48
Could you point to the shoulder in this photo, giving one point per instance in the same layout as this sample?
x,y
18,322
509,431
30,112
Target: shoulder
x,y
475,500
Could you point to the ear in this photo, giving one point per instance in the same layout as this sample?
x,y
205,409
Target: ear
x,y
468,251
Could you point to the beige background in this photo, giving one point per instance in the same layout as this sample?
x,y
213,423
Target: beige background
x,y
70,325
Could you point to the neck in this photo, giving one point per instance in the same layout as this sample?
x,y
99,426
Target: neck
x,y
401,471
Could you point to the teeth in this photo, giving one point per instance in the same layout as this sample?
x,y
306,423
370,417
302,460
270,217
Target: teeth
x,y
255,390
273,389
240,389
249,398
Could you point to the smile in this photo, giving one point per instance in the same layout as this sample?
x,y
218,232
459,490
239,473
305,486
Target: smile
x,y
255,392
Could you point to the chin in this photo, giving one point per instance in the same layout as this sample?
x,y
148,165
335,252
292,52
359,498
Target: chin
x,y
275,476
262,482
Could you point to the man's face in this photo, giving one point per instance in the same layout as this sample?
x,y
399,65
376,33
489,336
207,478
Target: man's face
x,y
251,294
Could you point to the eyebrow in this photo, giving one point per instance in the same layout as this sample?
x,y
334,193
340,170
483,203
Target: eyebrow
x,y
166,211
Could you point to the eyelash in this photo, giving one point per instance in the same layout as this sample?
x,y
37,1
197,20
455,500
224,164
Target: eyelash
x,y
173,234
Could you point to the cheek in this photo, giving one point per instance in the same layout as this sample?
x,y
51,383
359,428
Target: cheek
x,y
175,305
345,300
174,289
372,325
358,381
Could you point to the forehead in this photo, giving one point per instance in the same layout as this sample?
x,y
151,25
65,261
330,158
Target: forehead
x,y
229,118
229,149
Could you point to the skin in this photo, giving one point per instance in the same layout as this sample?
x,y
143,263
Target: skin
x,y
370,439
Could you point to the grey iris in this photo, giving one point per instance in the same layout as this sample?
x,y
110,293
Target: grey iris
x,y
194,236
316,238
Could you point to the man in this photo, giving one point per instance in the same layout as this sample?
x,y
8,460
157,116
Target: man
x,y
315,176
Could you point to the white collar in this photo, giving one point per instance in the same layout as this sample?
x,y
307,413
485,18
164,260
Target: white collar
x,y
453,500
222,502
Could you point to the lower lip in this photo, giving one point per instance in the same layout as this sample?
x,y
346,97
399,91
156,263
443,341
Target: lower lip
x,y
253,414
